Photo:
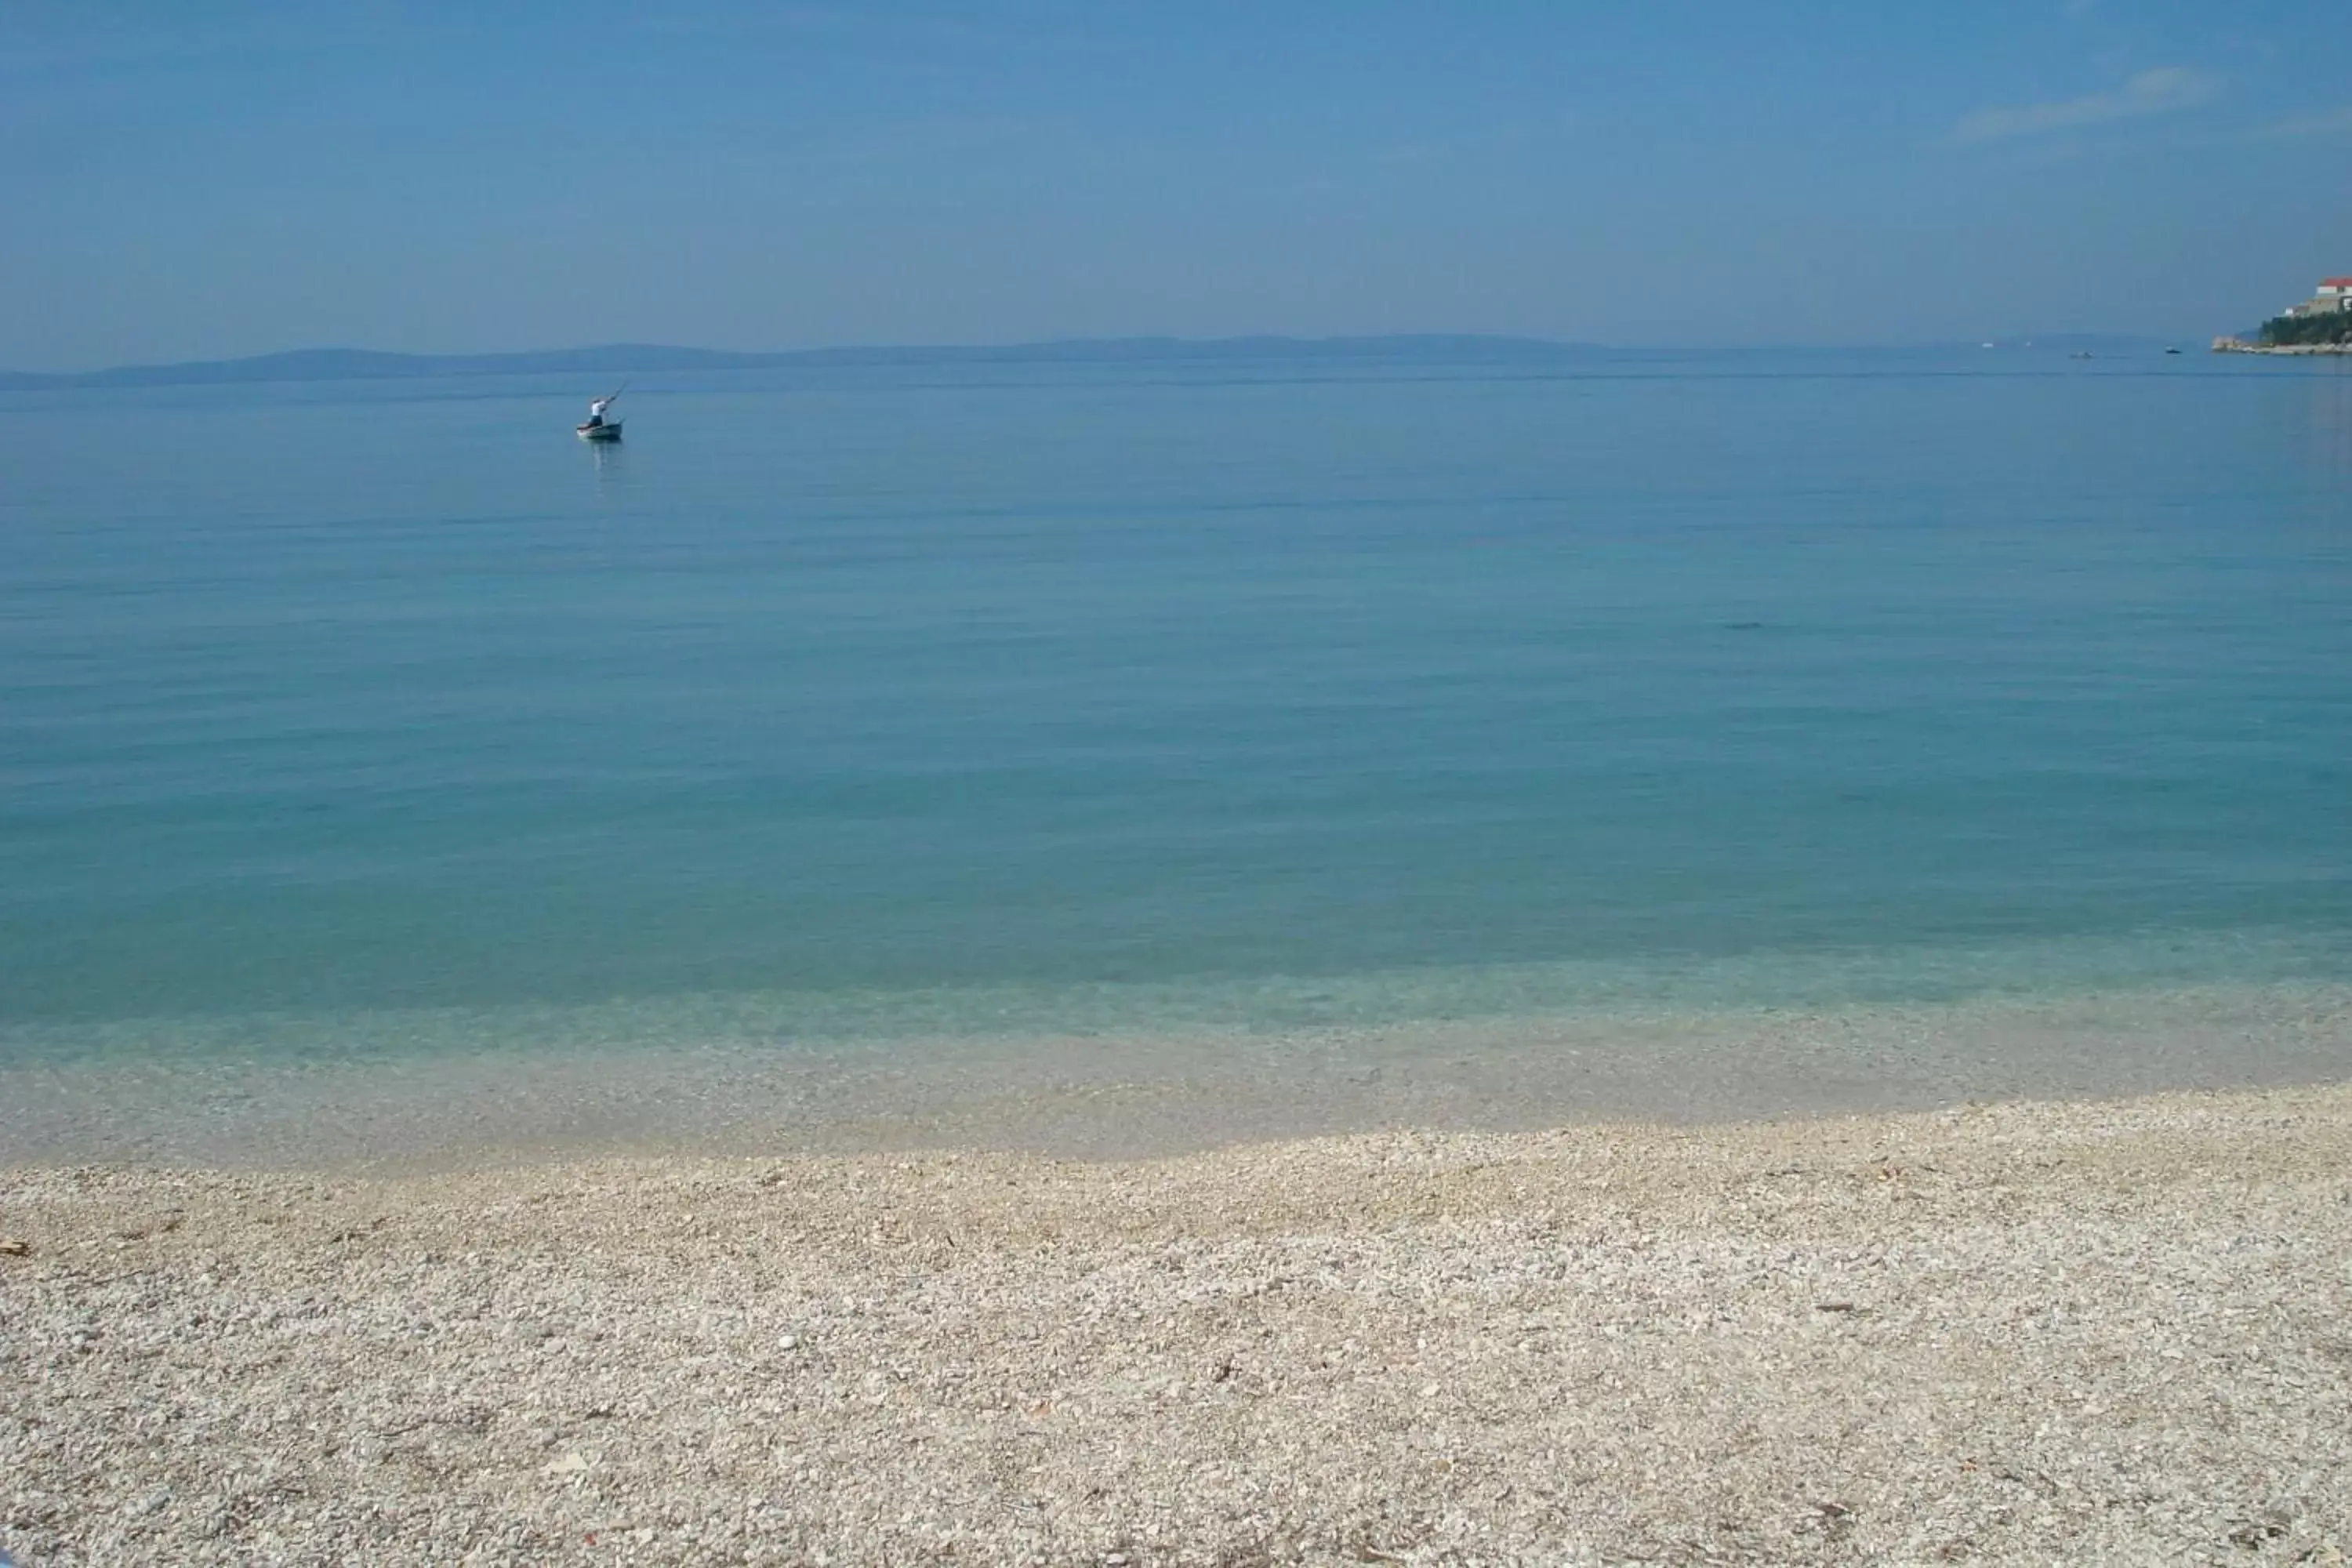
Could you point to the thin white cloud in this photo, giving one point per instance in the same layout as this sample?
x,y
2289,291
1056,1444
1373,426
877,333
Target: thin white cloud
x,y
2168,90
2305,127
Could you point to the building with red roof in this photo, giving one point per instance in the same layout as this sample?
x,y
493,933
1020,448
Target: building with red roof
x,y
2333,294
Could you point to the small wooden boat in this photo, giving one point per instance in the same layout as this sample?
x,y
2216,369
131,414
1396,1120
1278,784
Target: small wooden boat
x,y
598,427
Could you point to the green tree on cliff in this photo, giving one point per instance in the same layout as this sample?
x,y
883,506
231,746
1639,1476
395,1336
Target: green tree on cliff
x,y
2329,327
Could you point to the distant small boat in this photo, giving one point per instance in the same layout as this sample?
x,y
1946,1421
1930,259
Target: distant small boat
x,y
2173,351
598,427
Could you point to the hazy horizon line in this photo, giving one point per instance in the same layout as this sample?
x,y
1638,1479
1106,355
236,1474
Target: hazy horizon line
x,y
342,363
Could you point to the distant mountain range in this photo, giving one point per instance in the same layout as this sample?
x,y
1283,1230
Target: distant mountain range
x,y
364,364
626,359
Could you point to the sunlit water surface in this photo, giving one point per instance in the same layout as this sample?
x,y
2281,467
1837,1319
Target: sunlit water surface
x,y
907,742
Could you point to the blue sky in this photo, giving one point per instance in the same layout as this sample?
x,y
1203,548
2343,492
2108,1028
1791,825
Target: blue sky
x,y
532,175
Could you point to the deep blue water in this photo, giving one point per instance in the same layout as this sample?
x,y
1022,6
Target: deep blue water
x,y
959,699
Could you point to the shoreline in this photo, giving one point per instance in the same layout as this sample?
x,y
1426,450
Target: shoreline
x,y
2240,346
1116,1095
2079,1332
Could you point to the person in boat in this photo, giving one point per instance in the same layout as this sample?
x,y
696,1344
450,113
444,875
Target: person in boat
x,y
597,407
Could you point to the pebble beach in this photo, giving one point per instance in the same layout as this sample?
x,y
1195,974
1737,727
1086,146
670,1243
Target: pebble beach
x,y
2102,1332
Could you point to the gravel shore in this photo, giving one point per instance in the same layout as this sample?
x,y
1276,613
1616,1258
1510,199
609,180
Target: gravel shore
x,y
2086,1332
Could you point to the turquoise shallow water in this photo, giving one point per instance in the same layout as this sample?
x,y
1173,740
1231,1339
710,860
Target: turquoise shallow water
x,y
384,720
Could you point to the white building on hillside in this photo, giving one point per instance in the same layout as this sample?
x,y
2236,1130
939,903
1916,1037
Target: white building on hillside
x,y
2334,294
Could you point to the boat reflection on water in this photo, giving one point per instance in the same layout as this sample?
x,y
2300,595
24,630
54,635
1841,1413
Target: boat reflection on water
x,y
612,464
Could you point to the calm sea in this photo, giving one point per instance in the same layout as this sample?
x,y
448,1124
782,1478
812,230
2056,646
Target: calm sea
x,y
997,720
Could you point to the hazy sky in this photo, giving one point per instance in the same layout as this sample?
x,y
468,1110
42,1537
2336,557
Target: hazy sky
x,y
513,175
